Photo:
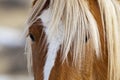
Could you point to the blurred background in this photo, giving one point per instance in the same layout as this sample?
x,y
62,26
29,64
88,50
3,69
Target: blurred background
x,y
13,14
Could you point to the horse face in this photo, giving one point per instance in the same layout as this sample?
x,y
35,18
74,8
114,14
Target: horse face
x,y
60,72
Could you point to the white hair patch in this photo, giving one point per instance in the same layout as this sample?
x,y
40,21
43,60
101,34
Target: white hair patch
x,y
53,44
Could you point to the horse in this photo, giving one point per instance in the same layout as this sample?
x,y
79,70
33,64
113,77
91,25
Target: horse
x,y
74,40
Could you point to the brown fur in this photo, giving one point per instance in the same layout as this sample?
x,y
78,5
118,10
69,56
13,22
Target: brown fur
x,y
92,68
37,49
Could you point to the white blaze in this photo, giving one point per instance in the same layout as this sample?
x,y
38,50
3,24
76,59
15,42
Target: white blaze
x,y
54,44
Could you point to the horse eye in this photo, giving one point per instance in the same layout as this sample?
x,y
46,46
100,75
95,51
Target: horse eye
x,y
87,38
32,37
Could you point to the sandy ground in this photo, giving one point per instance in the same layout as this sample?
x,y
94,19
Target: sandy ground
x,y
20,77
13,18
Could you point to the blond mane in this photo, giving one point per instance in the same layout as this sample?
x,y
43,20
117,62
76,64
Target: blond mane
x,y
110,10
80,23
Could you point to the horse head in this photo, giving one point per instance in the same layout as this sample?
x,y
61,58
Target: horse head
x,y
70,40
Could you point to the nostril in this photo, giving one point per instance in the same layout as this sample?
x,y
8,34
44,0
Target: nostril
x,y
32,37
